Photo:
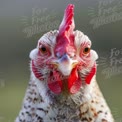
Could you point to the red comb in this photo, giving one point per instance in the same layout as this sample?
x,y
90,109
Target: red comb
x,y
67,25
65,37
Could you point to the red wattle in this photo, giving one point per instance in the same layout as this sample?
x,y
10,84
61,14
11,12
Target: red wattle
x,y
55,87
91,74
36,72
74,82
55,83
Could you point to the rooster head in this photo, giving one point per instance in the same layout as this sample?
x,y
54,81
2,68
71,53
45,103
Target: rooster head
x,y
63,58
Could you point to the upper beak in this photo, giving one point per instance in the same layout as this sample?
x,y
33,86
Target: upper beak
x,y
65,64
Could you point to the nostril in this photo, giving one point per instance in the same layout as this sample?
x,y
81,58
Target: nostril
x,y
58,55
72,55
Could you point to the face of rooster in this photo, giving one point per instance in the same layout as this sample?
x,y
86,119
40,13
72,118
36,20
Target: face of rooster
x,y
63,59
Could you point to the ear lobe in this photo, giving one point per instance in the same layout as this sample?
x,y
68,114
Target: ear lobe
x,y
94,55
33,54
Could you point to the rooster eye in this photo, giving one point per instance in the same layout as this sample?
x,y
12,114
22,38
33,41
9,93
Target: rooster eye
x,y
86,50
43,49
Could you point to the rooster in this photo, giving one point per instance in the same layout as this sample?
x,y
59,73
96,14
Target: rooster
x,y
63,85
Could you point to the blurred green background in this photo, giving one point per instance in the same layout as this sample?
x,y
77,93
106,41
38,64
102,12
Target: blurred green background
x,y
23,22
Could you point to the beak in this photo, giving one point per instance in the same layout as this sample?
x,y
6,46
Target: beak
x,y
65,64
